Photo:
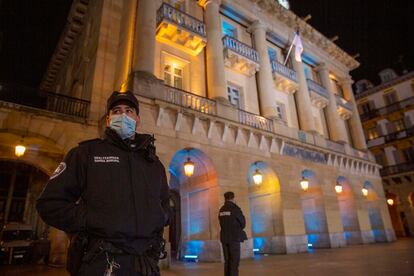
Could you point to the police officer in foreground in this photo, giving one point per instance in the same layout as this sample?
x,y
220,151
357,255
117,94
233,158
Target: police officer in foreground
x,y
111,196
232,223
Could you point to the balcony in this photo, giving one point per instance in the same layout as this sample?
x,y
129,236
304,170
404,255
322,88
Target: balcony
x,y
45,100
344,107
256,121
395,107
285,78
397,169
240,57
180,30
318,94
189,100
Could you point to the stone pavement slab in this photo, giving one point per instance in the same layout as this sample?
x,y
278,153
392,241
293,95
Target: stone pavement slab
x,y
361,260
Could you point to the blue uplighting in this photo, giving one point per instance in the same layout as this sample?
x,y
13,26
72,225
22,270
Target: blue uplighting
x,y
190,257
256,250
309,245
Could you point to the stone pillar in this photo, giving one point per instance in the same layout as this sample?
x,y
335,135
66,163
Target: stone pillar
x,y
336,125
216,79
303,100
144,48
356,129
264,76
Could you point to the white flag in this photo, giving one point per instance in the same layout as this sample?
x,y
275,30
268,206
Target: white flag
x,y
298,47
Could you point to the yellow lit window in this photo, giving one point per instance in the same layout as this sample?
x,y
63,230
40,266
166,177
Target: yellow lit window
x,y
372,133
173,76
399,125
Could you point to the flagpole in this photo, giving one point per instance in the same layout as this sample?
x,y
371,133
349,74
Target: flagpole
x,y
287,56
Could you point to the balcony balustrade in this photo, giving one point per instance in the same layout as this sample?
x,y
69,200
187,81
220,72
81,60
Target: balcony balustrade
x,y
344,107
240,57
319,95
181,30
190,100
256,121
285,78
397,169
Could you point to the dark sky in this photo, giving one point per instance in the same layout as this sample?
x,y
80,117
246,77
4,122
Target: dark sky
x,y
30,29
380,31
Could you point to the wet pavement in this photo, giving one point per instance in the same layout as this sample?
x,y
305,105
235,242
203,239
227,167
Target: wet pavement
x,y
395,258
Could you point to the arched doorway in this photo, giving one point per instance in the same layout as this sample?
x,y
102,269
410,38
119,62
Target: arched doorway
x,y
374,213
314,213
197,209
265,209
175,223
396,216
349,216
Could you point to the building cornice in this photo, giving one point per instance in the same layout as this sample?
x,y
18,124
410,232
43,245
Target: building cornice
x,y
74,26
385,85
307,32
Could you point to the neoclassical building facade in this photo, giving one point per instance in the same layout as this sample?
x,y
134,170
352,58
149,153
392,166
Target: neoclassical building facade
x,y
214,88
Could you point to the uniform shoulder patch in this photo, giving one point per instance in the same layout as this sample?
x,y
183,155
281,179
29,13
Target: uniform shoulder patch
x,y
60,169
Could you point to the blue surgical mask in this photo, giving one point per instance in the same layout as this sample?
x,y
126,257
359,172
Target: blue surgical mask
x,y
123,125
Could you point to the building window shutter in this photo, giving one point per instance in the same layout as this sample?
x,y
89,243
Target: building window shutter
x,y
379,130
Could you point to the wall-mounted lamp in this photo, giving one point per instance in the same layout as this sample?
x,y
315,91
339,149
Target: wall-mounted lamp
x,y
304,183
365,190
338,188
188,166
20,149
390,201
257,177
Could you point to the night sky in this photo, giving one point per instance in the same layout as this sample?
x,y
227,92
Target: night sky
x,y
381,33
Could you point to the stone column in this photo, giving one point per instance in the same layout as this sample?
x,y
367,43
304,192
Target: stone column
x,y
303,100
216,79
356,129
336,125
144,48
264,76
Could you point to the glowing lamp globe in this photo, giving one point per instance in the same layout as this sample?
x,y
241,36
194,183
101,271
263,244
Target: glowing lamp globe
x,y
338,188
19,150
189,167
304,184
365,191
257,177
390,201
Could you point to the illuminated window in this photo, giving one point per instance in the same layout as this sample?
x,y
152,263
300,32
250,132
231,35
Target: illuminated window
x,y
399,125
229,29
338,88
372,133
173,76
233,94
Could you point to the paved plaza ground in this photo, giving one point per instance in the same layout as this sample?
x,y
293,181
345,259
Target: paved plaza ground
x,y
395,258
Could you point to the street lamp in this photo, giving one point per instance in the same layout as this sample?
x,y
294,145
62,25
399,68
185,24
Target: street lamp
x,y
338,187
304,183
390,201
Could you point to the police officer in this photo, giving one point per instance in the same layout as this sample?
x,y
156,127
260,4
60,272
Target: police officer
x,y
232,223
111,196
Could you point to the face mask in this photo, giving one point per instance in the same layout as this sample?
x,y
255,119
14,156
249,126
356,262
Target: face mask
x,y
123,125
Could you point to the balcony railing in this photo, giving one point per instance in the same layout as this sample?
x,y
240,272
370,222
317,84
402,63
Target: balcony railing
x,y
342,102
190,100
256,121
284,71
397,169
45,100
240,48
319,89
168,12
388,109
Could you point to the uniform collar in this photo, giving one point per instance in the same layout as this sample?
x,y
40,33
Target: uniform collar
x,y
141,141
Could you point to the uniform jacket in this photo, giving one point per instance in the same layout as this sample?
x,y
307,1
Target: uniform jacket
x,y
232,223
110,190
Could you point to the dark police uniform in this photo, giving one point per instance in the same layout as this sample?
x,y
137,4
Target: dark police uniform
x,y
232,223
114,191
